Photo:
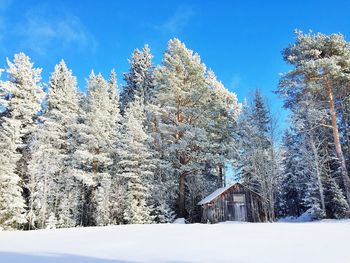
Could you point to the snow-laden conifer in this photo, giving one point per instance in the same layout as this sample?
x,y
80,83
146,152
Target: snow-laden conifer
x,y
139,80
50,168
21,97
97,134
136,165
192,103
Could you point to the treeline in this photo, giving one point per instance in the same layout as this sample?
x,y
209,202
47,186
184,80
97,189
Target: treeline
x,y
72,159
149,153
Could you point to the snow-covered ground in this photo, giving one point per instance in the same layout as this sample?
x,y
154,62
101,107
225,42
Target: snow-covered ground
x,y
319,242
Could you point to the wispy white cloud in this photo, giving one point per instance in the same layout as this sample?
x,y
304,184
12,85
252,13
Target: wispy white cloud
x,y
42,31
177,21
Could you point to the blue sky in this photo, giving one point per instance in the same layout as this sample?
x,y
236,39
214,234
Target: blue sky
x,y
240,40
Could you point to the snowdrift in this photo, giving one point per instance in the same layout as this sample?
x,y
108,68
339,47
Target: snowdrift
x,y
321,242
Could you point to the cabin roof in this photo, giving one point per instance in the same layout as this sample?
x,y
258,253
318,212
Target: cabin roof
x,y
219,192
214,195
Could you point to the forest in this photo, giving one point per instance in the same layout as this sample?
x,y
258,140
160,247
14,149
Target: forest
x,y
149,150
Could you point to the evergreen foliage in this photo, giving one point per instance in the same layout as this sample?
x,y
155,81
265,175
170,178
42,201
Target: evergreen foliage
x,y
69,158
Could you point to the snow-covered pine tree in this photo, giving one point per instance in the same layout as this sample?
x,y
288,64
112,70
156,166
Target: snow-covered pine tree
x,y
136,165
51,184
182,96
12,204
162,213
301,186
118,185
305,90
291,195
315,163
313,146
192,104
321,66
163,190
259,162
336,204
223,111
139,80
21,100
97,136
244,133
114,98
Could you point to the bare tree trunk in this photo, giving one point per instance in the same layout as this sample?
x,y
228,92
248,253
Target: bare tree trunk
x,y
344,120
181,201
318,173
272,206
45,203
222,179
344,172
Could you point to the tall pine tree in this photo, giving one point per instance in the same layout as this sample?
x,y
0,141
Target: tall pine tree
x,y
50,168
136,165
139,80
21,99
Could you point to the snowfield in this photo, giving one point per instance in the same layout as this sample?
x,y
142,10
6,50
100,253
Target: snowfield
x,y
325,241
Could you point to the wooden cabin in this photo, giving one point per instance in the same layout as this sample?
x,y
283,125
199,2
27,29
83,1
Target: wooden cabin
x,y
233,203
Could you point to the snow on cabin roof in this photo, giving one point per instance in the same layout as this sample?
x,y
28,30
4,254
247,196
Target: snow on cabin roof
x,y
215,194
220,191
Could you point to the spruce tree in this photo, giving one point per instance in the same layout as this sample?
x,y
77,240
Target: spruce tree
x,y
21,99
97,134
52,146
336,205
136,165
12,204
139,80
293,188
259,160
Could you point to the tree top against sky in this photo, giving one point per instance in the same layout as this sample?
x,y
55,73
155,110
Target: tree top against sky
x,y
241,41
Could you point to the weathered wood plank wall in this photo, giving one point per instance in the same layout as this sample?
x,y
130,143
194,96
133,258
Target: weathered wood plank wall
x,y
218,209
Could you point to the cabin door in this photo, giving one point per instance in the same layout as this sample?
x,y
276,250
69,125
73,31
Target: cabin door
x,y
239,207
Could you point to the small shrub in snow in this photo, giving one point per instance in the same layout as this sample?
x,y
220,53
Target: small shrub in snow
x,y
51,222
